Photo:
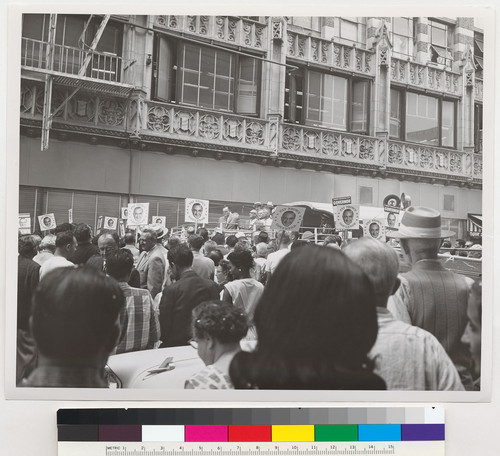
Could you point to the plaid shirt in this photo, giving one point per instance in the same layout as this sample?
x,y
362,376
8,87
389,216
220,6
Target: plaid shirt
x,y
139,321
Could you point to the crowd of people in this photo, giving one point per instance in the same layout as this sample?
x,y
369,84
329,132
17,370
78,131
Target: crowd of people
x,y
337,315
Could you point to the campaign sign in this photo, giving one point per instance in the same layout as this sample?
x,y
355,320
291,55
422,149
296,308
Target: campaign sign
x,y
121,226
392,209
138,214
99,223
375,229
159,220
347,217
110,223
124,213
24,223
341,200
392,221
196,210
70,215
47,222
287,218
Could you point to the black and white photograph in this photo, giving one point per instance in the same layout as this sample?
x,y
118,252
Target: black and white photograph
x,y
196,210
46,222
266,118
287,218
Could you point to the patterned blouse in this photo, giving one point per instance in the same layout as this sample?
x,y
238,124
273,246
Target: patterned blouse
x,y
209,378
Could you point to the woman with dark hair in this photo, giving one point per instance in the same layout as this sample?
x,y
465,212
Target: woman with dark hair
x,y
217,330
316,324
243,292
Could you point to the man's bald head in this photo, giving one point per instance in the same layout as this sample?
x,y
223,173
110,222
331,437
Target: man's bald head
x,y
379,262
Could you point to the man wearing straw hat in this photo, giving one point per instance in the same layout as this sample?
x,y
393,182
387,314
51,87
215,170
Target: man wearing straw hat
x,y
436,298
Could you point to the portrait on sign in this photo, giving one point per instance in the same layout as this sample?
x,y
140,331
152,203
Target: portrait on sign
x,y
138,214
287,218
47,222
392,220
159,220
347,217
110,223
124,213
196,210
375,229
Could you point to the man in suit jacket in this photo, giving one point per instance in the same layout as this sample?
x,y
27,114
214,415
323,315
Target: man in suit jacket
x,y
179,299
436,299
230,220
151,264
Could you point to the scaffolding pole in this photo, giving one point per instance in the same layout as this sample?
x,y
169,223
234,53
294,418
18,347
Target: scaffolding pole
x,y
47,96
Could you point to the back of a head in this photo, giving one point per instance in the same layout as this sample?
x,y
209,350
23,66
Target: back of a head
x,y
242,259
129,238
231,241
314,320
119,264
173,241
63,227
64,238
299,243
110,235
283,239
181,255
378,261
82,233
75,313
48,243
209,246
216,256
203,232
223,322
318,300
195,242
263,237
261,249
218,238
243,244
26,246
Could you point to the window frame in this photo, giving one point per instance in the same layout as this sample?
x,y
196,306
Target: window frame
x,y
304,74
448,48
440,99
174,75
410,36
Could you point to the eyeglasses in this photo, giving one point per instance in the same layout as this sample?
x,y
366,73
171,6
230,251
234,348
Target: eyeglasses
x,y
194,344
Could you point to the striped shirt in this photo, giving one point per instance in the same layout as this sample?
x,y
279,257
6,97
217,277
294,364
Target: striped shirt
x,y
139,321
437,302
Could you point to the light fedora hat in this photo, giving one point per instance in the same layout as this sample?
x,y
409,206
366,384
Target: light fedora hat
x,y
420,222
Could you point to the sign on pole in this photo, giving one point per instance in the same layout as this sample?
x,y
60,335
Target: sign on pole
x,y
159,220
138,214
110,223
196,210
47,222
347,217
287,218
24,223
375,229
341,201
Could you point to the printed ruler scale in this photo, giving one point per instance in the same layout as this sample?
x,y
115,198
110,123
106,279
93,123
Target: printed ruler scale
x,y
412,431
227,449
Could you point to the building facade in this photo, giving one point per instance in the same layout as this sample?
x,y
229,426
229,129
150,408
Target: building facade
x,y
242,109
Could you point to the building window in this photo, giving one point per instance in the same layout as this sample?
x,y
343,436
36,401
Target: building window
x,y
74,35
402,36
351,29
206,77
441,41
478,53
478,128
327,100
422,119
307,22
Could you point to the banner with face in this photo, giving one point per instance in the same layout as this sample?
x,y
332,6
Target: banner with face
x,y
47,222
138,214
347,217
196,210
375,229
110,223
287,218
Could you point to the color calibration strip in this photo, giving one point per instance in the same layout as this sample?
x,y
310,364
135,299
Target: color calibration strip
x,y
251,425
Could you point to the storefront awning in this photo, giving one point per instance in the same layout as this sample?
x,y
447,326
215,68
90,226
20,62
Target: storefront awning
x,y
474,223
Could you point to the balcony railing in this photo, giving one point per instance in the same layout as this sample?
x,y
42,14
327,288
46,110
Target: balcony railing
x,y
321,143
478,89
329,53
84,109
429,159
208,126
230,29
425,76
69,60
